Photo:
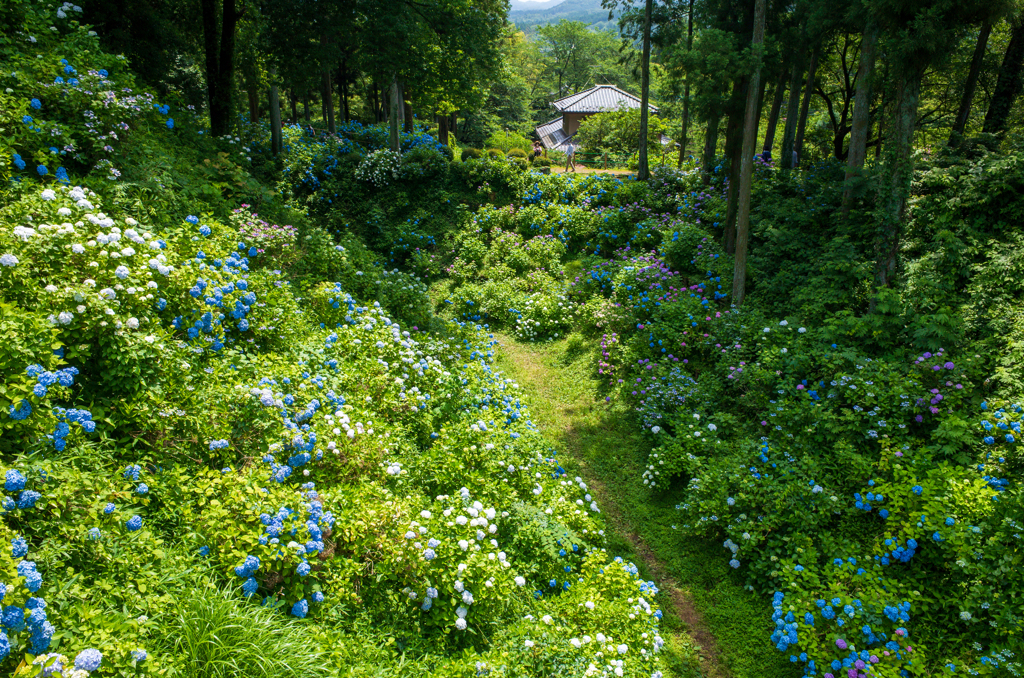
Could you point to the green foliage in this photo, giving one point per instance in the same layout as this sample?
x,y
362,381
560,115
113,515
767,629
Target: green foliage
x,y
510,141
619,132
211,634
471,154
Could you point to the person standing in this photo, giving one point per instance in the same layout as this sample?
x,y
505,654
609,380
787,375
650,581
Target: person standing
x,y
570,155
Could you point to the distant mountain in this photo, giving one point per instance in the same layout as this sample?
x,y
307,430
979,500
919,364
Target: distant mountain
x,y
588,11
524,5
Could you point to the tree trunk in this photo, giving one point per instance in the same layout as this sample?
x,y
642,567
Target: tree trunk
x,y
773,116
881,114
220,62
806,106
1009,83
395,115
453,125
407,108
643,171
792,115
896,174
964,112
329,101
305,104
295,106
344,89
275,113
753,115
707,161
442,129
253,97
861,112
733,151
686,89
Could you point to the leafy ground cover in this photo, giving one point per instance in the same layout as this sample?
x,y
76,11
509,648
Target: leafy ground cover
x,y
225,422
239,387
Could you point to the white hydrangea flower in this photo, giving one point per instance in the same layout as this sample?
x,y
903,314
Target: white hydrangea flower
x,y
48,195
8,260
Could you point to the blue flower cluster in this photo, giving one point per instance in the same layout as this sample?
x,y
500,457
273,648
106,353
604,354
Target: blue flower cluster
x,y
219,444
14,481
786,631
899,554
66,417
45,378
217,297
21,412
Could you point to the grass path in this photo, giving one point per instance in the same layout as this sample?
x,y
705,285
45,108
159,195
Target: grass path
x,y
714,628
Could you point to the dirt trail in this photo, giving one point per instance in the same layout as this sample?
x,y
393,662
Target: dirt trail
x,y
560,418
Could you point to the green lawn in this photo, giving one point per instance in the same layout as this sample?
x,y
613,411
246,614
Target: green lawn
x,y
713,626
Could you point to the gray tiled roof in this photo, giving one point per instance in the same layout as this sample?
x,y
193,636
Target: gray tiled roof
x,y
551,134
597,99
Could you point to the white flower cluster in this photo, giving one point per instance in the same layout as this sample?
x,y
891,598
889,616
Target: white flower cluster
x,y
380,168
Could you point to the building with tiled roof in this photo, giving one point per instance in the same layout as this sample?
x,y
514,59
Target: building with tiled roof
x,y
577,107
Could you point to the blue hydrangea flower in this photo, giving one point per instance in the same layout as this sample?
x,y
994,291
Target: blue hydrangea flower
x,y
142,489
170,123
36,104
300,609
13,618
33,580
303,569
88,660
134,523
192,219
14,481
318,597
27,119
21,412
204,550
28,499
95,534
19,547
42,171
249,587
109,508
18,161
139,655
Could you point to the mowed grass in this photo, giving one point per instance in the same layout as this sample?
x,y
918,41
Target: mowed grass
x,y
717,628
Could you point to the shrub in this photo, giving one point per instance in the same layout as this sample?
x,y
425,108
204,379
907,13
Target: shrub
x,y
471,154
424,162
541,162
495,153
508,141
516,153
